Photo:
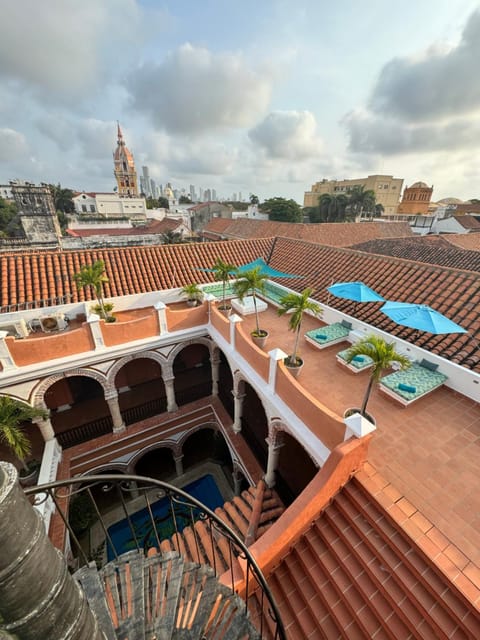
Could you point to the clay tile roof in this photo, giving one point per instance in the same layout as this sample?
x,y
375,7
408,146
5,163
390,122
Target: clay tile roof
x,y
155,227
436,251
468,222
453,292
465,240
332,234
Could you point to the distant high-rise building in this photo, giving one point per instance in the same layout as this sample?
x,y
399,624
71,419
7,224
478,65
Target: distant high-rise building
x,y
214,195
234,197
192,193
153,188
208,195
145,183
239,196
124,168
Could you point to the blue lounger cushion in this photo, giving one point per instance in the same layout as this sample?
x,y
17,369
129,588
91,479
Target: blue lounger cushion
x,y
358,359
321,336
328,334
407,387
420,378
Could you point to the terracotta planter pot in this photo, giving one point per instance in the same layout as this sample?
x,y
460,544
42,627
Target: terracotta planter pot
x,y
259,339
293,369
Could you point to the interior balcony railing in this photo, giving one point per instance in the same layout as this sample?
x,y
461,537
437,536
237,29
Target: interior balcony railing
x,y
85,432
153,516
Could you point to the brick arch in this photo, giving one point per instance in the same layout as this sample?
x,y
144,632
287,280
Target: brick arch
x,y
152,355
207,342
277,428
164,444
239,380
46,383
206,425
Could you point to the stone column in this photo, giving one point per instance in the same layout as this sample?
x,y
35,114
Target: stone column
x,y
170,389
38,596
274,446
237,410
178,464
46,428
234,318
112,401
215,361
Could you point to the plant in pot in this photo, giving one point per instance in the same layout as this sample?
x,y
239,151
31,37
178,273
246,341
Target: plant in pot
x,y
107,307
297,304
93,275
194,294
251,282
13,414
222,272
383,355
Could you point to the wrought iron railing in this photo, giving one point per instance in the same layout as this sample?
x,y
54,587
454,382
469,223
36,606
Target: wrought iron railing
x,y
146,410
139,495
85,432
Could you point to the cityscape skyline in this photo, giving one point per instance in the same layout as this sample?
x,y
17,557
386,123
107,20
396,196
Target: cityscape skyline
x,y
373,95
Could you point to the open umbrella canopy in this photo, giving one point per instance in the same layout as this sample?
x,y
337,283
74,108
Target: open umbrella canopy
x,y
420,317
356,291
265,269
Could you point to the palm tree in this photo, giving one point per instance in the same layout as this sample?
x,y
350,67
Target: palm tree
x,y
297,303
172,237
383,355
93,275
360,200
332,207
12,414
222,272
193,293
252,281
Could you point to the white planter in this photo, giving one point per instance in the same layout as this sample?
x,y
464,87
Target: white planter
x,y
358,426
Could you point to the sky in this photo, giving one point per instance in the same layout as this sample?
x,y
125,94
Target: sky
x,y
254,97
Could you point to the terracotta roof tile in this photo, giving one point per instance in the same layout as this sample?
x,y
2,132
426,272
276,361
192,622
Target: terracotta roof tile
x,y
332,234
154,227
468,222
465,240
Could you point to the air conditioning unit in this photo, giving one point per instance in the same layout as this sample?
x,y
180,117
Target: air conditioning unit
x,y
17,328
54,322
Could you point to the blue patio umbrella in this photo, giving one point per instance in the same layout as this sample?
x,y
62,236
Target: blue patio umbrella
x,y
420,317
356,291
265,269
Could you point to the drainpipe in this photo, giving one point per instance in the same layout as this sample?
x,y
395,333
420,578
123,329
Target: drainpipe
x,y
38,596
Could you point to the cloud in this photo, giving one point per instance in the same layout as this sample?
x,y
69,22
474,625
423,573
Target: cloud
x,y
422,104
67,46
194,91
13,146
287,135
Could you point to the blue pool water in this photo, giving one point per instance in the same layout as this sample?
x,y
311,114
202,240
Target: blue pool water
x,y
204,489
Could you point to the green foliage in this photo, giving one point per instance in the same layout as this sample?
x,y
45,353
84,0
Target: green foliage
x,y
62,198
193,292
160,203
236,205
222,271
9,221
332,207
282,210
254,199
172,237
81,513
107,307
383,355
249,283
163,203
12,414
297,304
184,200
93,275
360,200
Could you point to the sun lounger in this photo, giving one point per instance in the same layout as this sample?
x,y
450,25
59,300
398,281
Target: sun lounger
x,y
328,335
413,383
358,363
245,307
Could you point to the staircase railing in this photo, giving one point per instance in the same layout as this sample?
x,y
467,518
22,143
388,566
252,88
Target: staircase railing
x,y
81,504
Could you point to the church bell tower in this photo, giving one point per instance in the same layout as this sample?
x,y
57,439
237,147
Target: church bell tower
x,y
124,168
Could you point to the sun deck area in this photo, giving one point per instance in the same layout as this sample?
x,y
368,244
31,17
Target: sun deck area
x,y
429,451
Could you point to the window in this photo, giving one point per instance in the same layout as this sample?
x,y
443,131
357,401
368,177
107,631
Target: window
x,y
92,208
84,208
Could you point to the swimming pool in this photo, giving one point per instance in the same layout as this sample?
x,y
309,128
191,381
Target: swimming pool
x,y
204,489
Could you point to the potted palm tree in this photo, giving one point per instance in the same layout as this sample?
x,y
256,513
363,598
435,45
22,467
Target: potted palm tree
x,y
13,414
251,282
383,355
297,304
194,294
93,275
222,272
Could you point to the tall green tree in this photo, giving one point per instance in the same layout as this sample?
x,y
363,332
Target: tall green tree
x,y
184,200
332,207
251,282
222,272
62,198
360,200
171,237
282,210
93,276
254,199
12,416
383,355
8,217
297,304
